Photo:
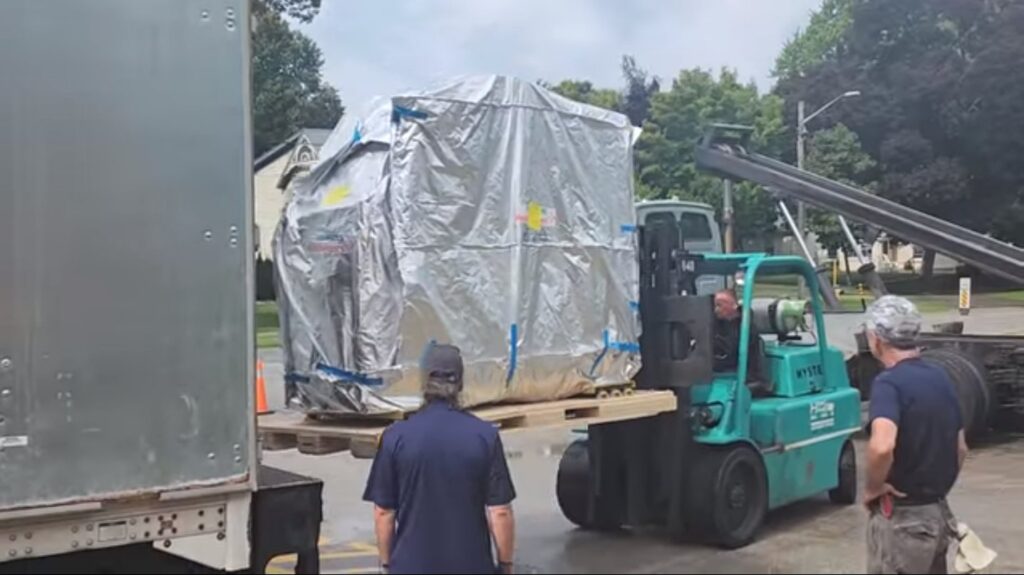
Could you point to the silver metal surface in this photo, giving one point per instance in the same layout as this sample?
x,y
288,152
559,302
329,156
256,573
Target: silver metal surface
x,y
796,232
489,213
123,139
158,522
853,241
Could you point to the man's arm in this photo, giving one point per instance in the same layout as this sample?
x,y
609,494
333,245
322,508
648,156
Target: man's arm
x,y
884,415
962,448
500,494
880,451
503,529
384,525
382,491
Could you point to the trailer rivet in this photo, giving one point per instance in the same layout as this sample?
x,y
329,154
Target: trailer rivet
x,y
28,535
211,455
131,522
14,537
167,543
238,459
74,529
12,553
5,393
234,230
6,364
208,234
205,15
230,24
88,542
88,527
74,544
221,536
28,551
132,536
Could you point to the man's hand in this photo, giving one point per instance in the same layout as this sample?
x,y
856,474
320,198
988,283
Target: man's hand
x,y
873,495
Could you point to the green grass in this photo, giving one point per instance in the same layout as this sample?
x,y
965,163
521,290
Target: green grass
x,y
268,333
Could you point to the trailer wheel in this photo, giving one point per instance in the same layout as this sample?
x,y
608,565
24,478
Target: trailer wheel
x,y
846,492
575,492
728,496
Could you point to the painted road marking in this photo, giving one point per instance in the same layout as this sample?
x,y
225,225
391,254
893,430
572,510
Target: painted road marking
x,y
352,558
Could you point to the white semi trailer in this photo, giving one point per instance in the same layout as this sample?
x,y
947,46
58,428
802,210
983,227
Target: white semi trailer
x,y
127,426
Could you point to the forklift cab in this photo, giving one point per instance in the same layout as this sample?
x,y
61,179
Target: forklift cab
x,y
732,451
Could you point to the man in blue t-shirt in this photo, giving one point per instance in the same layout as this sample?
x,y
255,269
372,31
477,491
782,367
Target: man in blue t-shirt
x,y
916,450
440,484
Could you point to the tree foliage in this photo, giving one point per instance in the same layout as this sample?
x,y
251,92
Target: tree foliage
x,y
836,153
678,118
640,89
583,91
942,85
289,92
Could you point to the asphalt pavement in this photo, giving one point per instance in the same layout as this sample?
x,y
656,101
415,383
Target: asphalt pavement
x,y
810,537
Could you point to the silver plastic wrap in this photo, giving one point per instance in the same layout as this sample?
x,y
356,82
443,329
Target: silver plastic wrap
x,y
490,214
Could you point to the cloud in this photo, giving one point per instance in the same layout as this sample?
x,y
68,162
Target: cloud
x,y
381,48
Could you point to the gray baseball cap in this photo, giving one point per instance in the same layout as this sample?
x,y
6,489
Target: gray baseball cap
x,y
443,362
895,320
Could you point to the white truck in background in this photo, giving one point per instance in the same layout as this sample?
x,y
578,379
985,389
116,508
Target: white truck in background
x,y
127,425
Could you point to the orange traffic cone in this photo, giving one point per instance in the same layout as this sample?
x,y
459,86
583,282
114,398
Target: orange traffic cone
x,y
261,390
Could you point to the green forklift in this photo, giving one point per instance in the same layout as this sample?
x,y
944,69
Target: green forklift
x,y
773,430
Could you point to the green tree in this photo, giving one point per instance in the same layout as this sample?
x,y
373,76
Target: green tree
x,y
583,91
941,84
821,40
640,88
836,153
288,89
678,118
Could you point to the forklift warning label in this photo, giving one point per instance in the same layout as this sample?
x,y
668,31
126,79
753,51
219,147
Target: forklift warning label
x,y
823,415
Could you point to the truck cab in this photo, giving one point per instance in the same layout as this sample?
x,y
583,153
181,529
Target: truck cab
x,y
700,230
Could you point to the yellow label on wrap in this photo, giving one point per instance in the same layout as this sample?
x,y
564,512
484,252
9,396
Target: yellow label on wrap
x,y
534,216
336,195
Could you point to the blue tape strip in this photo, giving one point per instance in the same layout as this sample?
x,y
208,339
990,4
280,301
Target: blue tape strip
x,y
399,112
513,351
344,374
628,228
357,135
597,360
627,346
296,378
634,305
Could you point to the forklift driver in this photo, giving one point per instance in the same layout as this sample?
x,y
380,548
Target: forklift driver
x,y
728,319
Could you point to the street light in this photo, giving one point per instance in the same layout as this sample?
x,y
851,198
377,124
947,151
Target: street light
x,y
801,130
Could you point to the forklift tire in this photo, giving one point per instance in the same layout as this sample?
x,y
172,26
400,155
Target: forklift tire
x,y
728,496
575,492
846,492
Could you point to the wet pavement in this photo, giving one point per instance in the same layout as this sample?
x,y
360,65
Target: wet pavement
x,y
809,537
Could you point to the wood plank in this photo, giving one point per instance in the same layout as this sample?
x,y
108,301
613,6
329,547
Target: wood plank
x,y
316,436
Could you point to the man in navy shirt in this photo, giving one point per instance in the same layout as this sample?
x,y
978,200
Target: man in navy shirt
x,y
916,450
440,484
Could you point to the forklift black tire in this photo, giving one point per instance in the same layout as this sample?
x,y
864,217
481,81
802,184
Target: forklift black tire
x,y
846,492
575,492
728,498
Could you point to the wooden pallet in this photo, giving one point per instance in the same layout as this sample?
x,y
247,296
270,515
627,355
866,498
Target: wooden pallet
x,y
361,436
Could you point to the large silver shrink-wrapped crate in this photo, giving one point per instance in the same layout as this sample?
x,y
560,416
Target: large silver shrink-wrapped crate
x,y
491,214
126,345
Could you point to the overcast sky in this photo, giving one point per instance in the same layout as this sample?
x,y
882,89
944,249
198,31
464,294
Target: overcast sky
x,y
387,46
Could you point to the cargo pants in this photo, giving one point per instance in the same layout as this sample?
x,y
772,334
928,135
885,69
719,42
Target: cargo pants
x,y
914,540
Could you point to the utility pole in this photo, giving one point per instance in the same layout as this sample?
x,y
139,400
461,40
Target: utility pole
x,y
801,209
727,215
